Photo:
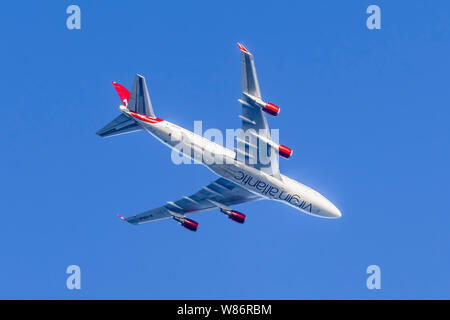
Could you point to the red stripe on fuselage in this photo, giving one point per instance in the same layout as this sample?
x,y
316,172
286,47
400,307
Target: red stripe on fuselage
x,y
145,118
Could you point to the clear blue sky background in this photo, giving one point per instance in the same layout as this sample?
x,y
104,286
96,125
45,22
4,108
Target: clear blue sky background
x,y
367,113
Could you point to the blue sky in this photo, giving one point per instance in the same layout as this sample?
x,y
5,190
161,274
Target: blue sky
x,y
366,112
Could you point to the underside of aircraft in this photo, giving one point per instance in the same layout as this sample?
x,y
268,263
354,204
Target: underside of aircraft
x,y
250,172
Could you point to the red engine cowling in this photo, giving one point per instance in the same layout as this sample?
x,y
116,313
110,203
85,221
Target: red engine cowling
x,y
271,109
234,215
237,216
190,224
187,223
284,151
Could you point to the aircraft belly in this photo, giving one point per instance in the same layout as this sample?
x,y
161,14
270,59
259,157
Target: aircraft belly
x,y
266,186
284,190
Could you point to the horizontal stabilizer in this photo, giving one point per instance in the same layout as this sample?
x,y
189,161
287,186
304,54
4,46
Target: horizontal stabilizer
x,y
120,125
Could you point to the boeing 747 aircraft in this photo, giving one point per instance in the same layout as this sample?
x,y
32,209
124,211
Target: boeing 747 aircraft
x,y
249,172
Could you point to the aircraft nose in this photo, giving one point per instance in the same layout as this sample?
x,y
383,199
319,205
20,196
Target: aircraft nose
x,y
330,210
334,212
326,209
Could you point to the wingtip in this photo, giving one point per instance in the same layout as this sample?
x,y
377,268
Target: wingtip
x,y
122,218
242,48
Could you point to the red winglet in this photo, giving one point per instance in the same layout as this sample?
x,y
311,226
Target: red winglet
x,y
242,48
123,93
121,217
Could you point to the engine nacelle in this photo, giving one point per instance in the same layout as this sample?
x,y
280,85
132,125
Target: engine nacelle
x,y
187,223
237,216
271,109
234,215
284,151
267,107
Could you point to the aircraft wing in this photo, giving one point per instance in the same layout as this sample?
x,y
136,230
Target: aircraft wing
x,y
221,192
255,150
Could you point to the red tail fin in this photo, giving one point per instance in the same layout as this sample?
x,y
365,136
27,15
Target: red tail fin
x,y
123,93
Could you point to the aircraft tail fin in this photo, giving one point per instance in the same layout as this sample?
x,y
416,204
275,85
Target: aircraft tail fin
x,y
137,101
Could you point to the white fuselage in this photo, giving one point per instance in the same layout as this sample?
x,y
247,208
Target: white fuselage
x,y
198,148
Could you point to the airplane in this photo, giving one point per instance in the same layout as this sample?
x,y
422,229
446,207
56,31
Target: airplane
x,y
245,173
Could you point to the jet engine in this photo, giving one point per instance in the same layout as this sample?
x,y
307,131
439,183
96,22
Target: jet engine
x,y
187,223
234,215
284,151
271,109
267,107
